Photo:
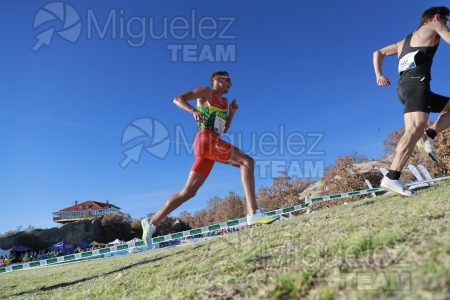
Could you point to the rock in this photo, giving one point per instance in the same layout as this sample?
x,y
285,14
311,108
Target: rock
x,y
312,191
368,170
368,167
76,232
85,230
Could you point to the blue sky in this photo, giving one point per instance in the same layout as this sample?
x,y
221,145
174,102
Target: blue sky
x,y
302,75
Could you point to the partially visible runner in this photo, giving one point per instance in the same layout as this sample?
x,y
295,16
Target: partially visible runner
x,y
214,116
415,54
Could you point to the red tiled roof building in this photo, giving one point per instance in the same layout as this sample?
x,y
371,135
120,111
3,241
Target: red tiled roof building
x,y
86,210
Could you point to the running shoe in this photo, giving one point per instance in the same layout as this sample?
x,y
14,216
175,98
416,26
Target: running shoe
x,y
427,147
396,186
260,217
147,232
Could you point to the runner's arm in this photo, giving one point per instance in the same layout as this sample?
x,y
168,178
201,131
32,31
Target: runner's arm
x,y
202,94
199,93
232,110
443,32
378,58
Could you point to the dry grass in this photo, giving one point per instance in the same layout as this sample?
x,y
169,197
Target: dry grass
x,y
388,247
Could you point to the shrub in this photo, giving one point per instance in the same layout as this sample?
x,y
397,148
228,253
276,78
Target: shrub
x,y
283,192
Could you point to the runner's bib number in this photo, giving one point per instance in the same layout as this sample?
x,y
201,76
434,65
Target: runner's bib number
x,y
219,124
407,62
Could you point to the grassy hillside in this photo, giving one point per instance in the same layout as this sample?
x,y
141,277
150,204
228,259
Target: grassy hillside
x,y
388,247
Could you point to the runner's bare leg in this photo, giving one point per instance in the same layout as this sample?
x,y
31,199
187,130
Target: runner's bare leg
x,y
194,182
247,166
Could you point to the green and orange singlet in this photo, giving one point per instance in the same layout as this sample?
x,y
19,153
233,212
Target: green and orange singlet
x,y
208,146
215,116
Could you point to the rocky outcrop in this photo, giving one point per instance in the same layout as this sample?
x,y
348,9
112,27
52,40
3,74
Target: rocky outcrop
x,y
312,191
369,167
86,230
368,170
76,232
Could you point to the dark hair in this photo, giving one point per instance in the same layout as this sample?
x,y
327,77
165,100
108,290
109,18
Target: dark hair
x,y
429,13
218,73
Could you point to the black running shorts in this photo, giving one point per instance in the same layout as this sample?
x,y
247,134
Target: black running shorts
x,y
417,96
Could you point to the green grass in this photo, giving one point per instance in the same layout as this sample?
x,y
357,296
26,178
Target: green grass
x,y
388,247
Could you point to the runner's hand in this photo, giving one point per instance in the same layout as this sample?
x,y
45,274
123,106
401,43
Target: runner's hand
x,y
198,116
383,81
233,106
